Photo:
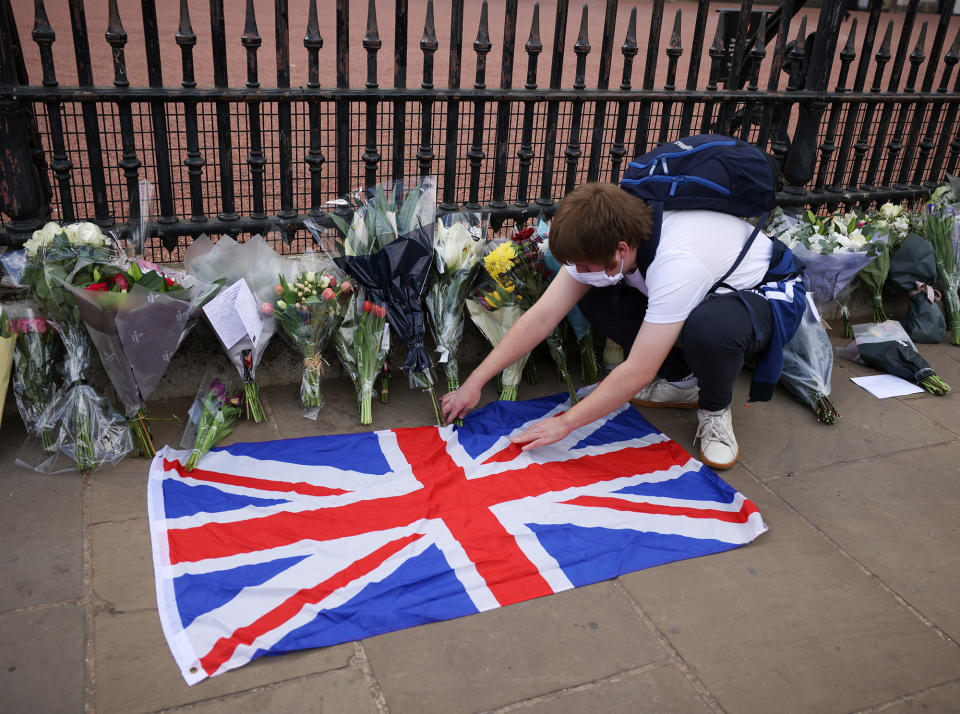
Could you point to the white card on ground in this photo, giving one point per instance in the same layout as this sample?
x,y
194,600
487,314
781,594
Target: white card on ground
x,y
234,314
883,386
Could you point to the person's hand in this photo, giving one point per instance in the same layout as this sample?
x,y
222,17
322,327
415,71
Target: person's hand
x,y
456,404
542,433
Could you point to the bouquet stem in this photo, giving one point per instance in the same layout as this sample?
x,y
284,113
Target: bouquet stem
x,y
531,373
588,359
252,408
83,453
142,440
207,436
426,378
845,317
935,385
385,384
508,393
365,403
555,343
310,394
879,314
952,304
826,412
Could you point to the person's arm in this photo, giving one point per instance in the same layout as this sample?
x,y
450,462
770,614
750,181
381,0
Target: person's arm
x,y
649,349
529,331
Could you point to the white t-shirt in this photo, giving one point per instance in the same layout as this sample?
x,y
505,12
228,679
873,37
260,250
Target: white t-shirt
x,y
696,248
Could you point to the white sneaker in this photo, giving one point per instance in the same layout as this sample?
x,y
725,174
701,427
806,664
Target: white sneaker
x,y
661,393
718,445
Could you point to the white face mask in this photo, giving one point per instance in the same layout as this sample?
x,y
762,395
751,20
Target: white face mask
x,y
599,278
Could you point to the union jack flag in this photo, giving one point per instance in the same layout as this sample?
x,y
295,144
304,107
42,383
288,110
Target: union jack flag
x,y
277,546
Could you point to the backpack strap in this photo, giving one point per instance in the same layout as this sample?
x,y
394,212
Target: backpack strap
x,y
743,253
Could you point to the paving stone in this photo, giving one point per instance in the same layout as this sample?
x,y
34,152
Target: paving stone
x,y
513,653
938,699
41,661
663,689
123,565
135,671
343,690
865,508
868,427
788,623
40,527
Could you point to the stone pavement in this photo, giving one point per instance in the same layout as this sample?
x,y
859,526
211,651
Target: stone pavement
x,y
849,603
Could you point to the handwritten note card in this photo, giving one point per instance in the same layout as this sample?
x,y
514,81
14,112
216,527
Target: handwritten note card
x,y
234,314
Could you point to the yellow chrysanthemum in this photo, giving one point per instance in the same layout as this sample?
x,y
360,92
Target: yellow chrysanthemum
x,y
500,259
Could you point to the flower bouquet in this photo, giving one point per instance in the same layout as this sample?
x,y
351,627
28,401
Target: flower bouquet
x,y
517,268
808,367
834,250
35,354
309,309
8,339
362,342
494,311
386,246
87,429
887,346
211,417
943,232
578,323
456,255
247,272
137,314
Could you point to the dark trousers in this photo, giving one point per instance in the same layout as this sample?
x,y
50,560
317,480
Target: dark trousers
x,y
716,336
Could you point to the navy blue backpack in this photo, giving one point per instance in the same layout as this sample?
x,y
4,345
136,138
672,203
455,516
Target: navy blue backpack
x,y
708,172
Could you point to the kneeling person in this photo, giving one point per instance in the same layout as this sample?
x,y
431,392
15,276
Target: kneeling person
x,y
683,318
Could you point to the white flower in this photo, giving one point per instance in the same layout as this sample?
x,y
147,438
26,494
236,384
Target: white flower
x,y
84,234
356,241
456,247
857,240
312,276
890,211
42,238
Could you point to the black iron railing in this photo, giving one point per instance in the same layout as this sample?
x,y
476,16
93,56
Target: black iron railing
x,y
252,158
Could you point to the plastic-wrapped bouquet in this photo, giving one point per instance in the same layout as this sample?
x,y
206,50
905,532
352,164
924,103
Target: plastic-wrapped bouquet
x,y
494,311
887,346
578,323
516,266
137,314
309,309
35,354
459,242
8,339
211,418
386,246
943,232
808,367
86,428
247,273
362,342
834,249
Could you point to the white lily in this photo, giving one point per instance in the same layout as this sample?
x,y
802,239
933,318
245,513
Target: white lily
x,y
456,247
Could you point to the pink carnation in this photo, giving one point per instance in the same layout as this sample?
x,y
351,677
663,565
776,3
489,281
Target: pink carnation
x,y
328,294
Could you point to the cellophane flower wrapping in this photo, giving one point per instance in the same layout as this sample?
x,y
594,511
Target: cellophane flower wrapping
x,y
887,346
808,367
516,266
834,250
309,308
211,417
943,232
8,339
459,243
257,263
137,316
384,242
363,341
87,431
581,327
36,351
493,320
